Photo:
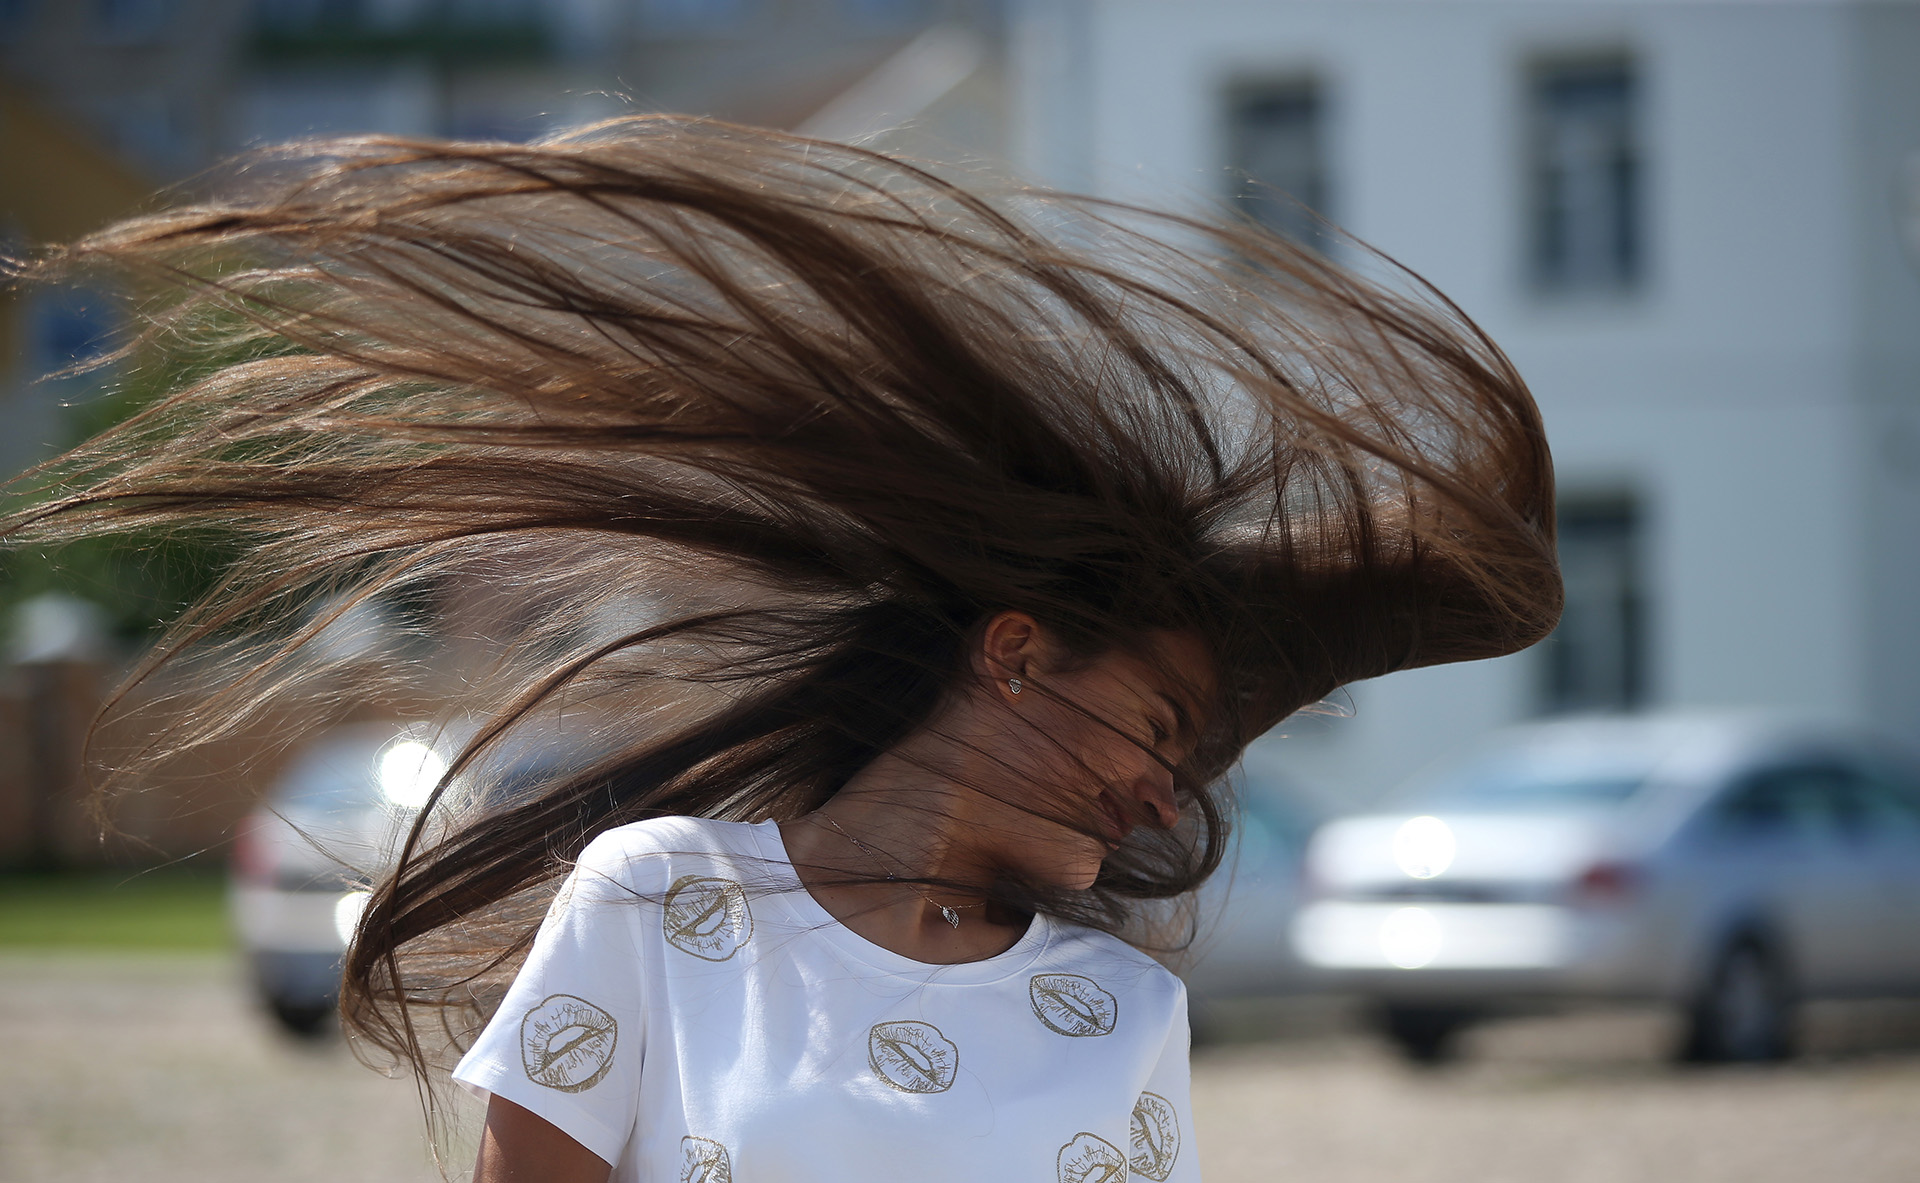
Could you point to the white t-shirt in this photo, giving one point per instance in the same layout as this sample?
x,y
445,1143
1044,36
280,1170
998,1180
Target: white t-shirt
x,y
690,1014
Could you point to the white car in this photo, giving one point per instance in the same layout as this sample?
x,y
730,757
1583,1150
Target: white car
x,y
302,859
1241,948
1729,865
335,816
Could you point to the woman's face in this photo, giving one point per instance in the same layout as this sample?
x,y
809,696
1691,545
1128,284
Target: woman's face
x,y
1091,754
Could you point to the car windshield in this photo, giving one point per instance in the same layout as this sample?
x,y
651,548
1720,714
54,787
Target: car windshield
x,y
1528,782
332,776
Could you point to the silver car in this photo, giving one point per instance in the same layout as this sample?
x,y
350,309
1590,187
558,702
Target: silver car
x,y
1732,866
335,816
1240,949
303,858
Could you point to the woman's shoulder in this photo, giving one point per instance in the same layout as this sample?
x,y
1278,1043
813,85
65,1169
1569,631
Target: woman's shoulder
x,y
1119,966
662,847
680,832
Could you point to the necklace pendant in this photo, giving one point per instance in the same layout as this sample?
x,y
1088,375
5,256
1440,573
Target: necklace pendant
x,y
952,917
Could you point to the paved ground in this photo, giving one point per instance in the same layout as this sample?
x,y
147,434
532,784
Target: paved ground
x,y
156,1069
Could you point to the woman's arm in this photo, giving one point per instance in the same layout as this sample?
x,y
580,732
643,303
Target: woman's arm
x,y
521,1147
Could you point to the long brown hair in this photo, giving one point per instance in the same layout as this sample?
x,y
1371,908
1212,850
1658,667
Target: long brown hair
x,y
820,413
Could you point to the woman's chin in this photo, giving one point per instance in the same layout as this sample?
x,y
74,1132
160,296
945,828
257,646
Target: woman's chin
x,y
1077,874
1065,874
1082,882
1071,865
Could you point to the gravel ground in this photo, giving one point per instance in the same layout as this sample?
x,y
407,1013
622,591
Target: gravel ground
x,y
157,1068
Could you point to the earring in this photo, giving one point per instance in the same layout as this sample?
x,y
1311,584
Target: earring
x,y
1013,684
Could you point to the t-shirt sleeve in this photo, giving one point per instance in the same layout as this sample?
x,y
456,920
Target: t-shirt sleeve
x,y
567,1041
1161,1143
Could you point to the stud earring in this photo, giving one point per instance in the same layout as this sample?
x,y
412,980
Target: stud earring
x,y
1013,684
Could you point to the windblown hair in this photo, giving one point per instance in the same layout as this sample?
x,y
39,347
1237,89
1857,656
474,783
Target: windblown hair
x,y
813,415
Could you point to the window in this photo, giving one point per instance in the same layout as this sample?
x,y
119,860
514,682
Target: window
x,y
59,327
1585,175
1801,802
150,128
1595,659
1276,151
1889,804
66,327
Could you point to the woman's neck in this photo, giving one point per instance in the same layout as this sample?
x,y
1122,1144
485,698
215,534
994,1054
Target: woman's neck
x,y
888,858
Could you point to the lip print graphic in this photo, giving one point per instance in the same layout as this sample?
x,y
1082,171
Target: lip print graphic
x,y
1092,1159
566,1043
1155,1137
913,1057
702,1160
1073,1005
707,917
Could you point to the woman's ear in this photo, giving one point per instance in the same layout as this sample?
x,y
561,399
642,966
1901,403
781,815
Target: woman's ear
x,y
1011,645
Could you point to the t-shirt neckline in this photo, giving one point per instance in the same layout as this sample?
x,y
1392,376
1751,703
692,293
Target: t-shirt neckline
x,y
799,903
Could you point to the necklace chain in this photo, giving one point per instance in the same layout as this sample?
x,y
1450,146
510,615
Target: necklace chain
x,y
948,912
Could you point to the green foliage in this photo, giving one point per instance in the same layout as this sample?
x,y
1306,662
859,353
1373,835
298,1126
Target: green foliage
x,y
172,909
140,581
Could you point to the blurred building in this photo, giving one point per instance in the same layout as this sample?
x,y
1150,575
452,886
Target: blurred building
x,y
119,97
176,84
102,102
1681,219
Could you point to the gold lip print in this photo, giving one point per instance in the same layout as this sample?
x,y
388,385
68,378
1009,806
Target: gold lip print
x,y
707,917
566,1043
913,1057
702,1160
1155,1137
1091,1159
1073,1005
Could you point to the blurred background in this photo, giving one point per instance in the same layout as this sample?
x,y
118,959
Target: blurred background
x,y
1640,903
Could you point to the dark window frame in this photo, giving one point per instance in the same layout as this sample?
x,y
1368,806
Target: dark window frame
x,y
1585,174
1295,205
1610,528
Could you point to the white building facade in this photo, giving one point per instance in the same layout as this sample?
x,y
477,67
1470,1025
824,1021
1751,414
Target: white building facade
x,y
1683,220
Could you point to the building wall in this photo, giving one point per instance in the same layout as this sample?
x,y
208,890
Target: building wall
x,y
1740,393
1885,158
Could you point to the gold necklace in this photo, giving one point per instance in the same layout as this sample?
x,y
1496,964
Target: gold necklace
x,y
949,913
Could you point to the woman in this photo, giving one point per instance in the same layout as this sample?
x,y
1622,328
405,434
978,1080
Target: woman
x,y
961,545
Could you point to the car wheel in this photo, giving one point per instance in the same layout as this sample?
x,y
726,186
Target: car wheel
x,y
1745,1011
307,1020
1424,1034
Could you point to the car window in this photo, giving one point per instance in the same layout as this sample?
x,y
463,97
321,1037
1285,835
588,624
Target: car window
x,y
1888,804
1805,801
